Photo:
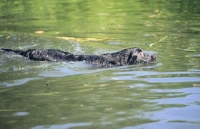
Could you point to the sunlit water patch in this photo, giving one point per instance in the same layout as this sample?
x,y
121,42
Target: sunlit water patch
x,y
20,114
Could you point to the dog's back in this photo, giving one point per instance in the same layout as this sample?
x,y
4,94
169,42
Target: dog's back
x,y
125,57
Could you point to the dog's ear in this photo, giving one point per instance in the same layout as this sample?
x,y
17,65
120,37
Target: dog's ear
x,y
131,58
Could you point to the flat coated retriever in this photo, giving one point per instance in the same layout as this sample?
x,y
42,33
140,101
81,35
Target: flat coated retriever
x,y
125,57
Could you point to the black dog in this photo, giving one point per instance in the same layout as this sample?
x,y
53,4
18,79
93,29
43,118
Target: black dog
x,y
125,57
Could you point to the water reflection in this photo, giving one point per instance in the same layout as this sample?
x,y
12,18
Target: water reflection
x,y
166,125
64,126
145,76
17,82
175,79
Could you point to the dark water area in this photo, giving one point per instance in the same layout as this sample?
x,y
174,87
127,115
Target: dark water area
x,y
58,95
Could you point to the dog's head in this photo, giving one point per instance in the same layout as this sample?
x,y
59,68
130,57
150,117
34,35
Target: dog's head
x,y
137,55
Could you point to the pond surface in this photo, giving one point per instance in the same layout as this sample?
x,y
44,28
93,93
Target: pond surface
x,y
47,95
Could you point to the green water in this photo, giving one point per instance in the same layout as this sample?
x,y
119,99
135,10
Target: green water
x,y
46,95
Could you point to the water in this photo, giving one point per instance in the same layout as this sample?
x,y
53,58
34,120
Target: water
x,y
40,95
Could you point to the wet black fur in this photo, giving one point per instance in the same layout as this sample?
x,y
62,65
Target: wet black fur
x,y
125,57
